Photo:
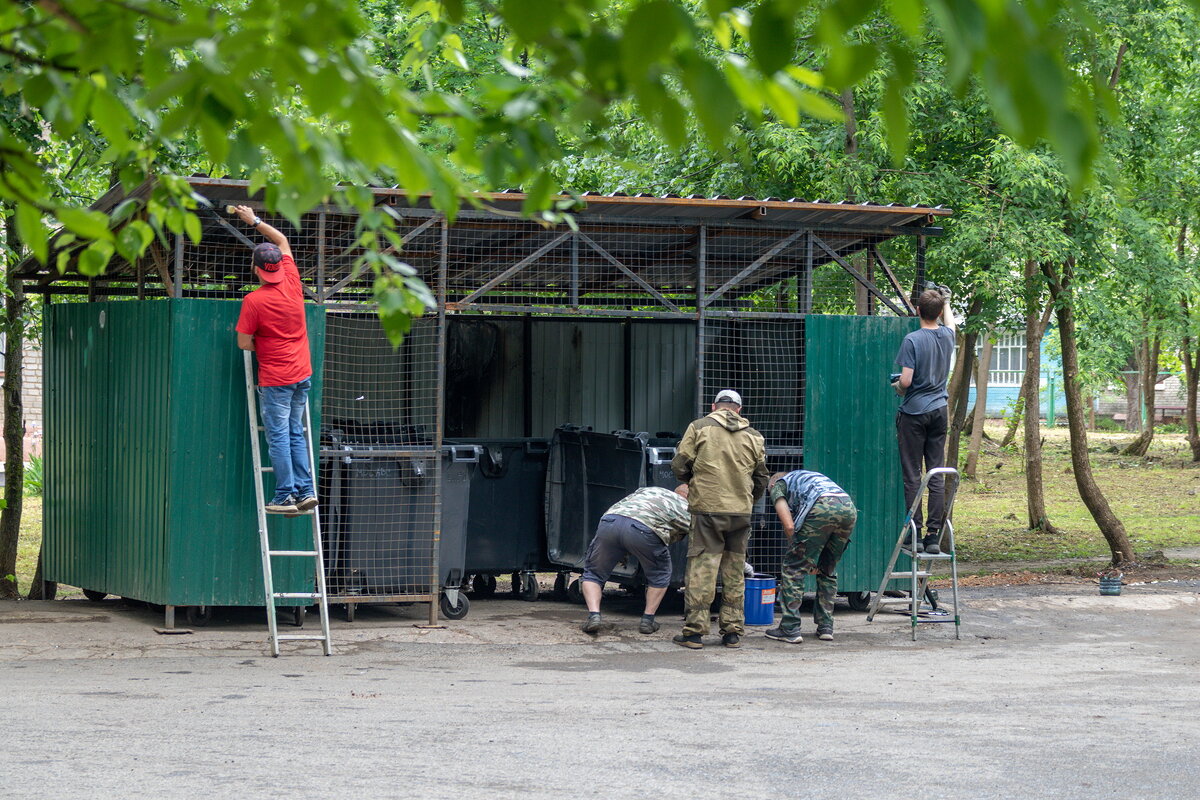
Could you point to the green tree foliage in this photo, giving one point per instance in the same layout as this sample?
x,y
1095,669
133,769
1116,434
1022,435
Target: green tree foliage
x,y
440,97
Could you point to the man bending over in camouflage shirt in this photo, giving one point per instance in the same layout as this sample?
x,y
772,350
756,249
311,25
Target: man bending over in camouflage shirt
x,y
818,518
643,525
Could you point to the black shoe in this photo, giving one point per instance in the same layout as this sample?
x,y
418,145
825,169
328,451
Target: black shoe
x,y
825,634
931,544
692,641
731,640
781,635
648,626
286,505
306,503
591,624
920,546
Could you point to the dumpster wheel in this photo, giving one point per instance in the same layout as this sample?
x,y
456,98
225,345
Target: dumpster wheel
x,y
575,592
859,601
560,585
529,586
457,611
94,596
199,616
484,585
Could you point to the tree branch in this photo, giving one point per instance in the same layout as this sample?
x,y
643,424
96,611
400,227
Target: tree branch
x,y
1115,75
17,55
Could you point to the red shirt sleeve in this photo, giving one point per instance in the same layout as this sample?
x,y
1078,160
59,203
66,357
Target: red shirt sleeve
x,y
248,320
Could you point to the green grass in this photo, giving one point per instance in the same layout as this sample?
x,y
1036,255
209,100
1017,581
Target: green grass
x,y
1158,499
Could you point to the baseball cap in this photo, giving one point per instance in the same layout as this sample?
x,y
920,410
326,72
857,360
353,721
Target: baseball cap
x,y
268,260
728,396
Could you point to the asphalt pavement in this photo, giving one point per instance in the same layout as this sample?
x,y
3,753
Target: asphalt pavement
x,y
1053,691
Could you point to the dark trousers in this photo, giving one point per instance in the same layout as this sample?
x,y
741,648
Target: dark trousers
x,y
922,437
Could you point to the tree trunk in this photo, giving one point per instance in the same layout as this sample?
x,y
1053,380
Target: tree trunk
x,y
13,417
1061,289
981,386
960,384
1018,414
1147,377
1191,377
1031,388
14,423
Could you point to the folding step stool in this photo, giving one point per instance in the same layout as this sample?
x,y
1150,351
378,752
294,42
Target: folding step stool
x,y
918,573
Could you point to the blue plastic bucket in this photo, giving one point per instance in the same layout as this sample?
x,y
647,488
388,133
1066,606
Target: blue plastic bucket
x,y
760,600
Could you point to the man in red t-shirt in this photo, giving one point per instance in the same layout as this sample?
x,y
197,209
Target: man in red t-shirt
x,y
272,325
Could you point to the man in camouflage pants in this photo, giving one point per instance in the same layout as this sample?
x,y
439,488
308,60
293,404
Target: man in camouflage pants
x,y
723,461
827,516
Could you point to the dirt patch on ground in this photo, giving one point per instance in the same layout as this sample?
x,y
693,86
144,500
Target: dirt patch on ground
x,y
1083,574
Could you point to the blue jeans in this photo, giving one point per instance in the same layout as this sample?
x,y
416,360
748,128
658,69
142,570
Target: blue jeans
x,y
283,419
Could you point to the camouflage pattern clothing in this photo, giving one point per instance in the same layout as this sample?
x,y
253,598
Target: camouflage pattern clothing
x,y
660,510
723,462
717,548
820,540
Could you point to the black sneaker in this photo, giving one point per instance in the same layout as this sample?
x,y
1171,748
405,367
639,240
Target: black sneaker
x,y
920,546
692,641
781,635
306,503
591,624
285,506
731,640
648,626
931,544
825,634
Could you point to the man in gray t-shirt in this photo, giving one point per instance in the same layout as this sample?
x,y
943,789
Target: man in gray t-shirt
x,y
924,362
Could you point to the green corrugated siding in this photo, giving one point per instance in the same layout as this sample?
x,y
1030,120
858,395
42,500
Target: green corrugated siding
x,y
149,491
850,431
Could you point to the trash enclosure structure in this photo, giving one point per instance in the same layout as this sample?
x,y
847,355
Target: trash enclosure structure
x,y
149,490
630,317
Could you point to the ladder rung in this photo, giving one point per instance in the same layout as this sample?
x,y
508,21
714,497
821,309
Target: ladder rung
x,y
292,552
921,574
266,469
893,601
921,619
297,595
927,556
293,637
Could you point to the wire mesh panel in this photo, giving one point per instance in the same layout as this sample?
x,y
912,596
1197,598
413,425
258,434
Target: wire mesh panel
x,y
382,463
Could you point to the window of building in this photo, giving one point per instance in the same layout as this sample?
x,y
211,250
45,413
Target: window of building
x,y
1008,360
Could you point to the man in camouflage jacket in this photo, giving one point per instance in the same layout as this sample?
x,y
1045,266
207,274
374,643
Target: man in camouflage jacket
x,y
818,519
723,461
643,525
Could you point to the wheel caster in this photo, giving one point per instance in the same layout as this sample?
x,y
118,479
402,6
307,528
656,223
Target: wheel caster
x,y
859,601
484,585
456,611
297,615
199,616
516,584
560,586
575,592
94,596
349,612
529,587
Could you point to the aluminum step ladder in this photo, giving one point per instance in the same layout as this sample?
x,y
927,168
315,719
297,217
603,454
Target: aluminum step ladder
x,y
316,553
922,601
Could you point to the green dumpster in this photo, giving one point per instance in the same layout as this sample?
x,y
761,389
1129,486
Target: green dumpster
x,y
149,491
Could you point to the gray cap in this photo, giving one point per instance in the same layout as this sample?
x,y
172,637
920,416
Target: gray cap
x,y
728,396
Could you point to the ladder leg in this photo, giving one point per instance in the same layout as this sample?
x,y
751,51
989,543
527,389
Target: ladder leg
x,y
260,505
318,548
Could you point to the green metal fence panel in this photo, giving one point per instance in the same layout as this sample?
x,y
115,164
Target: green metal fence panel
x,y
214,557
76,386
850,431
149,482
